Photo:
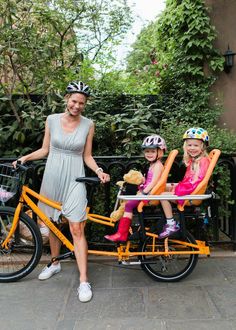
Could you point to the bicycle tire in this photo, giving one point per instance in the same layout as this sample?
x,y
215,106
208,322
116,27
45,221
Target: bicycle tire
x,y
172,268
25,248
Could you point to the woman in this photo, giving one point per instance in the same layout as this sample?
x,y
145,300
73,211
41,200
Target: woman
x,y
68,144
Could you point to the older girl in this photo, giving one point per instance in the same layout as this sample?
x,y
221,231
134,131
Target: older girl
x,y
196,161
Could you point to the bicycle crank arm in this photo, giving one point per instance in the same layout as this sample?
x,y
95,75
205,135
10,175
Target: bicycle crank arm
x,y
61,257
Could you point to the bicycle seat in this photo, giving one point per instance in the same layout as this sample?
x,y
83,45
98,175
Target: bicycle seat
x,y
161,185
89,180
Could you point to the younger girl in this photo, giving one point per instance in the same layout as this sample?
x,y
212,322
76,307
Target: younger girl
x,y
154,147
196,160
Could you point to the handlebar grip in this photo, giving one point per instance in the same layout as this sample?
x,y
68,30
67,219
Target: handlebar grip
x,y
89,180
21,166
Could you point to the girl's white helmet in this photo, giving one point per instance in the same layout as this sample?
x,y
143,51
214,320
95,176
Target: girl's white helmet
x,y
154,141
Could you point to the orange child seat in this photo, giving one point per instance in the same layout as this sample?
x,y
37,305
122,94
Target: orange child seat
x,y
160,187
201,188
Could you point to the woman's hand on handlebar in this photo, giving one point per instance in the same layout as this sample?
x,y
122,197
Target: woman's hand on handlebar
x,y
20,160
104,177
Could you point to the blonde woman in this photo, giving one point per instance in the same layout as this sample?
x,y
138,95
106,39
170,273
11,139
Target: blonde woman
x,y
68,144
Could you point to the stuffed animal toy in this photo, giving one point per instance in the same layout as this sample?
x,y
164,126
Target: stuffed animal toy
x,y
134,177
129,186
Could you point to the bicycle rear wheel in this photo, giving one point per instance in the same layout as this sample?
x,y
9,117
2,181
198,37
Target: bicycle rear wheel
x,y
25,247
170,268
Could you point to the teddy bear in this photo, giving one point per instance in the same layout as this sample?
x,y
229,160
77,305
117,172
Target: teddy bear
x,y
129,186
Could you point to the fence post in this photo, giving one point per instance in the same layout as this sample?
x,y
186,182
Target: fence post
x,y
233,213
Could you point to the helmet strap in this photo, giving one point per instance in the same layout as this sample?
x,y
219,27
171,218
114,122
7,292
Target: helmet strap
x,y
155,160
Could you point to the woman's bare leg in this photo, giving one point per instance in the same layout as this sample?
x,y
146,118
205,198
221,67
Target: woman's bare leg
x,y
80,248
55,246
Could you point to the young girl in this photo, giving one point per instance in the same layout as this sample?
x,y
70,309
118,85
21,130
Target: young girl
x,y
196,160
154,147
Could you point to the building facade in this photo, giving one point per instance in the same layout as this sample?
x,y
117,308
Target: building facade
x,y
223,17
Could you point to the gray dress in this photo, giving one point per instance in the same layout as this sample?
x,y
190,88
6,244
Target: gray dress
x,y
64,164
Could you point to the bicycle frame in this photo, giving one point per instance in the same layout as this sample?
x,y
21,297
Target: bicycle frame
x,y
123,252
26,200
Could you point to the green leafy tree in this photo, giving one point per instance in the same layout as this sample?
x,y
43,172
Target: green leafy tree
x,y
185,35
175,55
43,45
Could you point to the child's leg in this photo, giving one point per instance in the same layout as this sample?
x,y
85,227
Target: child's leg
x,y
171,226
167,208
124,223
129,207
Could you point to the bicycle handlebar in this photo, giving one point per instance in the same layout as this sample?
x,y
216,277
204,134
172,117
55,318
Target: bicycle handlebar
x,y
91,180
21,166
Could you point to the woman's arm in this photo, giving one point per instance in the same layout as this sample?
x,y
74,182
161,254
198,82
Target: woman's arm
x,y
89,160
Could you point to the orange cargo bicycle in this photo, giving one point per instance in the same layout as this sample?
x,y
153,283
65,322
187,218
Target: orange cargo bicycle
x,y
168,260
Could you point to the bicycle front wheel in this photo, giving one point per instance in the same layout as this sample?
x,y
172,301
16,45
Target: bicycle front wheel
x,y
171,268
25,246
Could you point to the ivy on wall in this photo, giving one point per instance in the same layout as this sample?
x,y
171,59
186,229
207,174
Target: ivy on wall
x,y
175,56
185,41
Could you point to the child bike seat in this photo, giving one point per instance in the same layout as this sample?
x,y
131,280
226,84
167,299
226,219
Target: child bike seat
x,y
202,186
161,185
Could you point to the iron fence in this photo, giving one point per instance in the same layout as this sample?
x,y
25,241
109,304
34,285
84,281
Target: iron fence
x,y
219,226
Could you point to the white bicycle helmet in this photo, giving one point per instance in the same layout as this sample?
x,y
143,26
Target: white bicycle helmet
x,y
78,87
154,141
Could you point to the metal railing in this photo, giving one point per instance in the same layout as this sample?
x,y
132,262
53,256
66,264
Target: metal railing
x,y
221,229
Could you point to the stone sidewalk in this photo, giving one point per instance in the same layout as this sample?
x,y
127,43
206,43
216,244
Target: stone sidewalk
x,y
124,298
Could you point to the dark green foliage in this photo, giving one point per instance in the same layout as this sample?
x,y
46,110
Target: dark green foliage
x,y
179,57
20,137
43,46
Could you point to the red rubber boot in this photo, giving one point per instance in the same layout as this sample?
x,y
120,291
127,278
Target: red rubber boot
x,y
123,231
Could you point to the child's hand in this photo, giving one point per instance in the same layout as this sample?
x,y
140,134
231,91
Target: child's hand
x,y
172,187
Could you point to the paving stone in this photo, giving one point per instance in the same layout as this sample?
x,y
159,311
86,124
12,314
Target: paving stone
x,y
200,324
190,302
120,324
207,271
124,299
224,298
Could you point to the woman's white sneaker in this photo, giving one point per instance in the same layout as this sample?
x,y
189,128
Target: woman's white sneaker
x,y
84,292
48,272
